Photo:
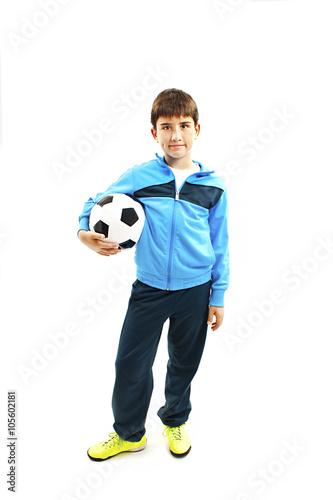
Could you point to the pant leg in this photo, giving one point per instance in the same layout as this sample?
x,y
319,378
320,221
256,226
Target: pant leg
x,y
148,309
186,341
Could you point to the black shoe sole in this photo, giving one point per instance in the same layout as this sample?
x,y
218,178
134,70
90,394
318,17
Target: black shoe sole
x,y
181,455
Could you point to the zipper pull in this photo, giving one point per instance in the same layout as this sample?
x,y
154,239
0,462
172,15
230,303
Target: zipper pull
x,y
177,195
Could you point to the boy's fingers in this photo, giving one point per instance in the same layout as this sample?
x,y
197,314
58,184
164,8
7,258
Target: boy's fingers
x,y
107,244
217,323
98,236
104,251
210,317
110,251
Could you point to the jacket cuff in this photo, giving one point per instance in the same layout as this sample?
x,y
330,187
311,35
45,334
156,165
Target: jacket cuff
x,y
84,224
217,298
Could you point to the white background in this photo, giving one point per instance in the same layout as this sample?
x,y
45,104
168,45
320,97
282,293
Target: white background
x,y
272,386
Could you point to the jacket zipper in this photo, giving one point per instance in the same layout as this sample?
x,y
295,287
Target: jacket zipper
x,y
172,231
172,238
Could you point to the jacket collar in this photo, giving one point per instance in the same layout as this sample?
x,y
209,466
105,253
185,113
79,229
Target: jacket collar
x,y
203,170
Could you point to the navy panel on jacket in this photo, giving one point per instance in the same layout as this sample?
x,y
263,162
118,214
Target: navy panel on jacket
x,y
157,191
204,196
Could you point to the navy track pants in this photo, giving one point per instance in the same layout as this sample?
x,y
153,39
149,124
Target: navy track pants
x,y
148,309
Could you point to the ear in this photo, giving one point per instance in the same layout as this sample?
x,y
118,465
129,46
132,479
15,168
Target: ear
x,y
197,130
154,133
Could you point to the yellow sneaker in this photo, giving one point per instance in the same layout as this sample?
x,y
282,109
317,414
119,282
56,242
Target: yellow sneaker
x,y
179,442
115,445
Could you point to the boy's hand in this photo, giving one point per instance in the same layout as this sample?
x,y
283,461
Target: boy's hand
x,y
95,242
218,312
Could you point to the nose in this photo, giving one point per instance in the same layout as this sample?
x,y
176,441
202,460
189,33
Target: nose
x,y
176,135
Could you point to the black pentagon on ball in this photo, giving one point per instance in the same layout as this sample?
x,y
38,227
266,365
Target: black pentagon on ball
x,y
127,244
105,200
102,228
129,216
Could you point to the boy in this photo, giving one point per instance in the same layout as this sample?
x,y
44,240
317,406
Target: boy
x,y
182,261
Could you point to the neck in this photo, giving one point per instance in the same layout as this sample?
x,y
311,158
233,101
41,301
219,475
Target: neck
x,y
184,163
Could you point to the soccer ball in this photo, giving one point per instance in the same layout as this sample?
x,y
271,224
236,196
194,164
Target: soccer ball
x,y
119,218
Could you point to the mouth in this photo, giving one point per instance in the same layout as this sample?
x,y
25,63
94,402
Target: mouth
x,y
177,146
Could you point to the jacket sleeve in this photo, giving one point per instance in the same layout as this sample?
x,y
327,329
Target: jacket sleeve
x,y
218,221
123,185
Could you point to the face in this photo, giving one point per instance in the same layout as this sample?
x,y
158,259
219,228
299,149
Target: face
x,y
176,135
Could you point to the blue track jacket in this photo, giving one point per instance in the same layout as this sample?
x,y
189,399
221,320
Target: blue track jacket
x,y
184,241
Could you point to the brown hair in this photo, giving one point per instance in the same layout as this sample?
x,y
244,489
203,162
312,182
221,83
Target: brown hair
x,y
173,102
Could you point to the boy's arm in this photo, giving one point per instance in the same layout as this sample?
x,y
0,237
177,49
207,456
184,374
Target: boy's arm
x,y
218,221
